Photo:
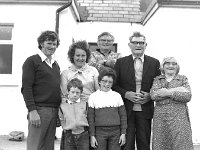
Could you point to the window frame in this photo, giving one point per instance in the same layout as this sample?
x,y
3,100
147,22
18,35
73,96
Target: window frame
x,y
10,78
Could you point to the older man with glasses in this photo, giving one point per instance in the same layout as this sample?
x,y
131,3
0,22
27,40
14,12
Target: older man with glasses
x,y
104,56
135,75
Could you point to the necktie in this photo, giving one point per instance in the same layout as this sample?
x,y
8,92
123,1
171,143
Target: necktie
x,y
137,63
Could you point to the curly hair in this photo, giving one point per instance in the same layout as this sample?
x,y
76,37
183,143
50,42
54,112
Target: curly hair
x,y
47,35
107,71
76,83
79,45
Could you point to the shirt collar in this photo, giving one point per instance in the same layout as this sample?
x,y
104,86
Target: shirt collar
x,y
73,68
44,57
98,50
142,57
70,102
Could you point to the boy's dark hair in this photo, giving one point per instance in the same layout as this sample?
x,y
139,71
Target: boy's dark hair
x,y
76,83
107,72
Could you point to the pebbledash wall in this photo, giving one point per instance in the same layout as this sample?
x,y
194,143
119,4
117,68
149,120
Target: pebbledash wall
x,y
170,32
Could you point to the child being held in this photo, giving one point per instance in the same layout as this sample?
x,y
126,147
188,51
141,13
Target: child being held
x,y
73,116
106,114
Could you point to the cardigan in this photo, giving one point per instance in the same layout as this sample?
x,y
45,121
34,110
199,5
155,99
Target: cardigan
x,y
40,83
73,116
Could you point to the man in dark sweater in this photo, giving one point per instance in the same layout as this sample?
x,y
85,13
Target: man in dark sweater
x,y
41,92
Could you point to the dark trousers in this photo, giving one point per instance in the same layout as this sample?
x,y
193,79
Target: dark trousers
x,y
71,141
139,131
42,138
108,138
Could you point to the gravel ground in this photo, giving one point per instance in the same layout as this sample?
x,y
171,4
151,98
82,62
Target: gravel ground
x,y
5,144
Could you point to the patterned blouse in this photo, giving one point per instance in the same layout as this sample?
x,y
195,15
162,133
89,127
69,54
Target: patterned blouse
x,y
87,74
97,56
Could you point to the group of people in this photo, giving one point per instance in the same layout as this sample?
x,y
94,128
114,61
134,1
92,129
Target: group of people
x,y
103,100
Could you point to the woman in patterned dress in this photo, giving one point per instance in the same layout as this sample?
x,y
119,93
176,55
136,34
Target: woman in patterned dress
x,y
171,123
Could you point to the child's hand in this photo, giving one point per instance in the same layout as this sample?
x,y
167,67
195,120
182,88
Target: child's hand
x,y
93,142
122,139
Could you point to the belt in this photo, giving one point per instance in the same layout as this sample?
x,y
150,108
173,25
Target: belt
x,y
86,128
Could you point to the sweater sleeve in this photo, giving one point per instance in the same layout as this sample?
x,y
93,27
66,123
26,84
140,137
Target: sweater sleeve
x,y
157,84
183,96
91,116
63,86
123,119
28,74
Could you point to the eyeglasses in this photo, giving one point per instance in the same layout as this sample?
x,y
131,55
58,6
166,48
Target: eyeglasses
x,y
106,81
106,40
137,42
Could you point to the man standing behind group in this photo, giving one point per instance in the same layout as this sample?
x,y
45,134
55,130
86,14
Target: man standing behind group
x,y
135,74
104,56
41,92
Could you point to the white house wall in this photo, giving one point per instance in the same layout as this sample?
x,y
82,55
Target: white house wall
x,y
29,21
170,32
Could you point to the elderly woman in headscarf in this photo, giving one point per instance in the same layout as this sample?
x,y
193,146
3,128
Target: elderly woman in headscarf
x,y
171,124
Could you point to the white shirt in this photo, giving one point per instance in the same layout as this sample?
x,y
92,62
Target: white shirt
x,y
47,60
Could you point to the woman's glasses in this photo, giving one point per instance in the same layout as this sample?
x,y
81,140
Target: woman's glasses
x,y
106,81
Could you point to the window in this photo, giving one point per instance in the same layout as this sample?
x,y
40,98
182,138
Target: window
x,y
6,48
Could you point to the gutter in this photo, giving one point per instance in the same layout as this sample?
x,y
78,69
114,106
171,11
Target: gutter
x,y
151,10
58,15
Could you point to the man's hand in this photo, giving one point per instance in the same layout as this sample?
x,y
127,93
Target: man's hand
x,y
110,63
93,142
34,118
133,96
145,97
122,139
101,62
139,98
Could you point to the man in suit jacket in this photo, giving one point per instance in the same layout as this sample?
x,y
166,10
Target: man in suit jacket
x,y
135,74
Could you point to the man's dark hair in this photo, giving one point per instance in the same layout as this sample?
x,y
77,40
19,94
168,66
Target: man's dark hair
x,y
47,35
